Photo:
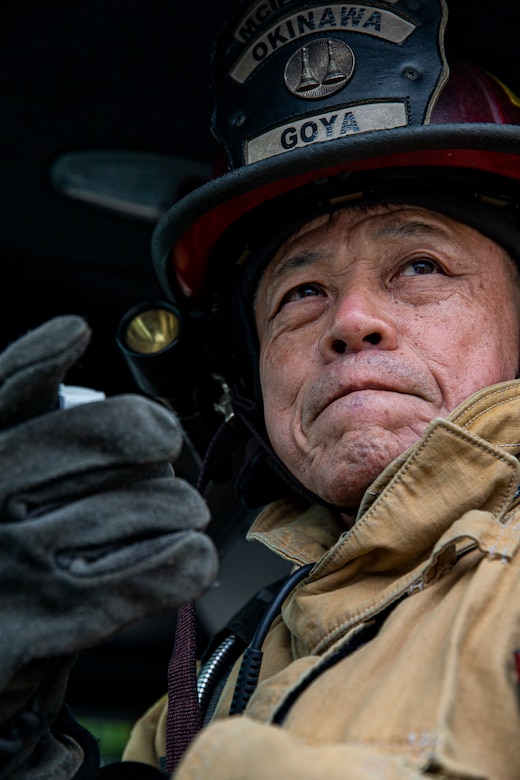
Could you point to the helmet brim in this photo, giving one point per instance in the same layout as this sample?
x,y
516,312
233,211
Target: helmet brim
x,y
186,234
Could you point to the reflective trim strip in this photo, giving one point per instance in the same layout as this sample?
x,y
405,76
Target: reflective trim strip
x,y
315,129
335,17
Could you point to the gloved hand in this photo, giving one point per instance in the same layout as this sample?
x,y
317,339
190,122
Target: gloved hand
x,y
96,532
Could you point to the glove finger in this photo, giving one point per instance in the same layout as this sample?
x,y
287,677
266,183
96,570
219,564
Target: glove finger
x,y
79,574
107,534
32,368
73,452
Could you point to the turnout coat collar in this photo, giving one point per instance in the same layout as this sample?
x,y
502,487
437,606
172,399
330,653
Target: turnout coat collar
x,y
446,495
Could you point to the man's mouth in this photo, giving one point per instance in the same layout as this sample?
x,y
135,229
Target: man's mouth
x,y
358,390
373,375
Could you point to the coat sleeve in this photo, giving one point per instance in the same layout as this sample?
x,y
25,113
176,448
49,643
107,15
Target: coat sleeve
x,y
240,748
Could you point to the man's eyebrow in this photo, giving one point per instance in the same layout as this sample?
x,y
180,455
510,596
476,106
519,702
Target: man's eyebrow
x,y
413,229
295,261
290,263
394,228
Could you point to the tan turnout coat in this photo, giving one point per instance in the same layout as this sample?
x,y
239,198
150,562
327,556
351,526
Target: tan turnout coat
x,y
436,692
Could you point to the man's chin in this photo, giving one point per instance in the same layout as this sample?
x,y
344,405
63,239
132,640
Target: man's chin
x,y
344,472
346,489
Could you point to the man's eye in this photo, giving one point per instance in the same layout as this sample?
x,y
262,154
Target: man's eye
x,y
420,267
300,292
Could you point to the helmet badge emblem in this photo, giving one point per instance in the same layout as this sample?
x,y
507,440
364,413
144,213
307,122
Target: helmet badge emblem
x,y
320,68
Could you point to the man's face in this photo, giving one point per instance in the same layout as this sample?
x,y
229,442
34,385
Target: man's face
x,y
371,324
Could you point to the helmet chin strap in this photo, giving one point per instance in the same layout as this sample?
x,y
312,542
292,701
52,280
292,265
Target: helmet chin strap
x,y
286,484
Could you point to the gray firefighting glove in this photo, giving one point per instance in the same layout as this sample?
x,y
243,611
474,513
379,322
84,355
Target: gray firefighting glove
x,y
96,533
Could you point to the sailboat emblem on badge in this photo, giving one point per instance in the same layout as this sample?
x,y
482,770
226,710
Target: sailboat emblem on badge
x,y
320,68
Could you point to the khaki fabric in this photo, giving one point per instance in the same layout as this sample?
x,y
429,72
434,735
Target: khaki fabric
x,y
436,693
147,742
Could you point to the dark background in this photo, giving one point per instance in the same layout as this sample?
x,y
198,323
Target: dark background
x,y
128,76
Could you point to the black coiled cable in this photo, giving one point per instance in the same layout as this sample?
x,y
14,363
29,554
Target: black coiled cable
x,y
252,659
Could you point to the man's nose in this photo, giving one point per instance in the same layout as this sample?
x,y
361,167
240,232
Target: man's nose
x,y
359,320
